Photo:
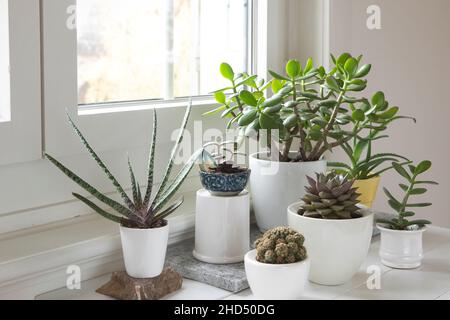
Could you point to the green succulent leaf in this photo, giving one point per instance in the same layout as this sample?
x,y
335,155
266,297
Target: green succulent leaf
x,y
278,76
351,66
215,111
86,186
358,115
423,167
248,98
363,71
293,68
151,161
227,71
332,84
248,118
100,163
220,97
401,171
98,210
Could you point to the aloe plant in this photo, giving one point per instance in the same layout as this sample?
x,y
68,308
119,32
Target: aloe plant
x,y
412,188
143,210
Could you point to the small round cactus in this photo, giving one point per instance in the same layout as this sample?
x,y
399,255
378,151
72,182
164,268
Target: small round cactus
x,y
280,246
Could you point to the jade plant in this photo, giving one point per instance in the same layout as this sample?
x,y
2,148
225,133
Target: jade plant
x,y
404,207
313,109
281,245
143,210
330,196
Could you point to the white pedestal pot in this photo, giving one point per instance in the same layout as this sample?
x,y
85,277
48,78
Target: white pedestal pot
x,y
222,228
144,251
276,281
401,249
275,185
337,248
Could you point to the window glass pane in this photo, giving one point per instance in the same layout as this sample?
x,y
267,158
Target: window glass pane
x,y
160,49
5,111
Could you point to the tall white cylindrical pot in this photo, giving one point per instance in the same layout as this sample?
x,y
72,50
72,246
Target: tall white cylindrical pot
x,y
401,249
276,185
337,248
144,251
222,228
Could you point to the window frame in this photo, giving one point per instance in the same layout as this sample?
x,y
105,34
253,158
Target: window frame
x,y
59,140
21,136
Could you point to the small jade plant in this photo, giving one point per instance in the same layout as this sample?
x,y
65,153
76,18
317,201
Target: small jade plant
x,y
330,196
403,207
221,159
281,245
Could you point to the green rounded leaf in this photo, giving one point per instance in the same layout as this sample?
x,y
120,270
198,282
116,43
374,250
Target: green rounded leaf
x,y
227,71
378,99
290,121
392,112
248,118
363,71
332,84
358,115
248,98
351,66
293,68
343,59
277,85
422,167
309,66
220,97
267,122
273,101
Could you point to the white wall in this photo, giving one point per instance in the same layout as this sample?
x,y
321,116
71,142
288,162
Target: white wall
x,y
4,62
410,64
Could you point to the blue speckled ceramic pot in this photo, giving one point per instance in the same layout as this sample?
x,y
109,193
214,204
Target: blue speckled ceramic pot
x,y
224,184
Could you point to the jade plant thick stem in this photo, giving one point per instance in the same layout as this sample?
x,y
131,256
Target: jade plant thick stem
x,y
311,108
142,211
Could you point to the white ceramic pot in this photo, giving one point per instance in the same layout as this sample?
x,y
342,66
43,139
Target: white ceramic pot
x,y
337,248
222,228
276,281
401,249
275,185
144,251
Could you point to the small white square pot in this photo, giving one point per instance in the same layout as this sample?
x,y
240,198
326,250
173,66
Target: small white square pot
x,y
276,281
401,249
337,248
144,251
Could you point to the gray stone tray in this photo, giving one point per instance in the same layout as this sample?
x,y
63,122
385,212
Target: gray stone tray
x,y
230,277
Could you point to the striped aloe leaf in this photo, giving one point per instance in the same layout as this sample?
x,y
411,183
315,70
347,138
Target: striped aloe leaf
x,y
176,184
135,186
94,155
151,161
99,210
86,186
170,165
169,210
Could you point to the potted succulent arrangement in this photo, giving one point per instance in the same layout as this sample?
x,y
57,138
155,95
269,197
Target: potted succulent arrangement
x,y
143,226
279,266
338,231
305,118
219,175
365,166
401,239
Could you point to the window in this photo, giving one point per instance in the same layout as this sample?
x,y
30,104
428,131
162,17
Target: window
x,y
154,50
5,111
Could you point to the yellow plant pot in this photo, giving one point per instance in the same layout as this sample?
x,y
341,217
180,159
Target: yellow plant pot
x,y
368,190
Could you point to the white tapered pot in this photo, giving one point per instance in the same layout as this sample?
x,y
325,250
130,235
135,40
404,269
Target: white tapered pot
x,y
276,281
276,185
337,248
401,249
144,251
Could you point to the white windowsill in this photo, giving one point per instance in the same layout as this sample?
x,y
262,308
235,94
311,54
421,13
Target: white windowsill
x,y
35,261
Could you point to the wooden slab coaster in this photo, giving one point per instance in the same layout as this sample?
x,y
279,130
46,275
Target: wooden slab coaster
x,y
123,287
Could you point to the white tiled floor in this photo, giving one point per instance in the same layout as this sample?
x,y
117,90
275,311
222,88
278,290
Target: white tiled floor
x,y
431,281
